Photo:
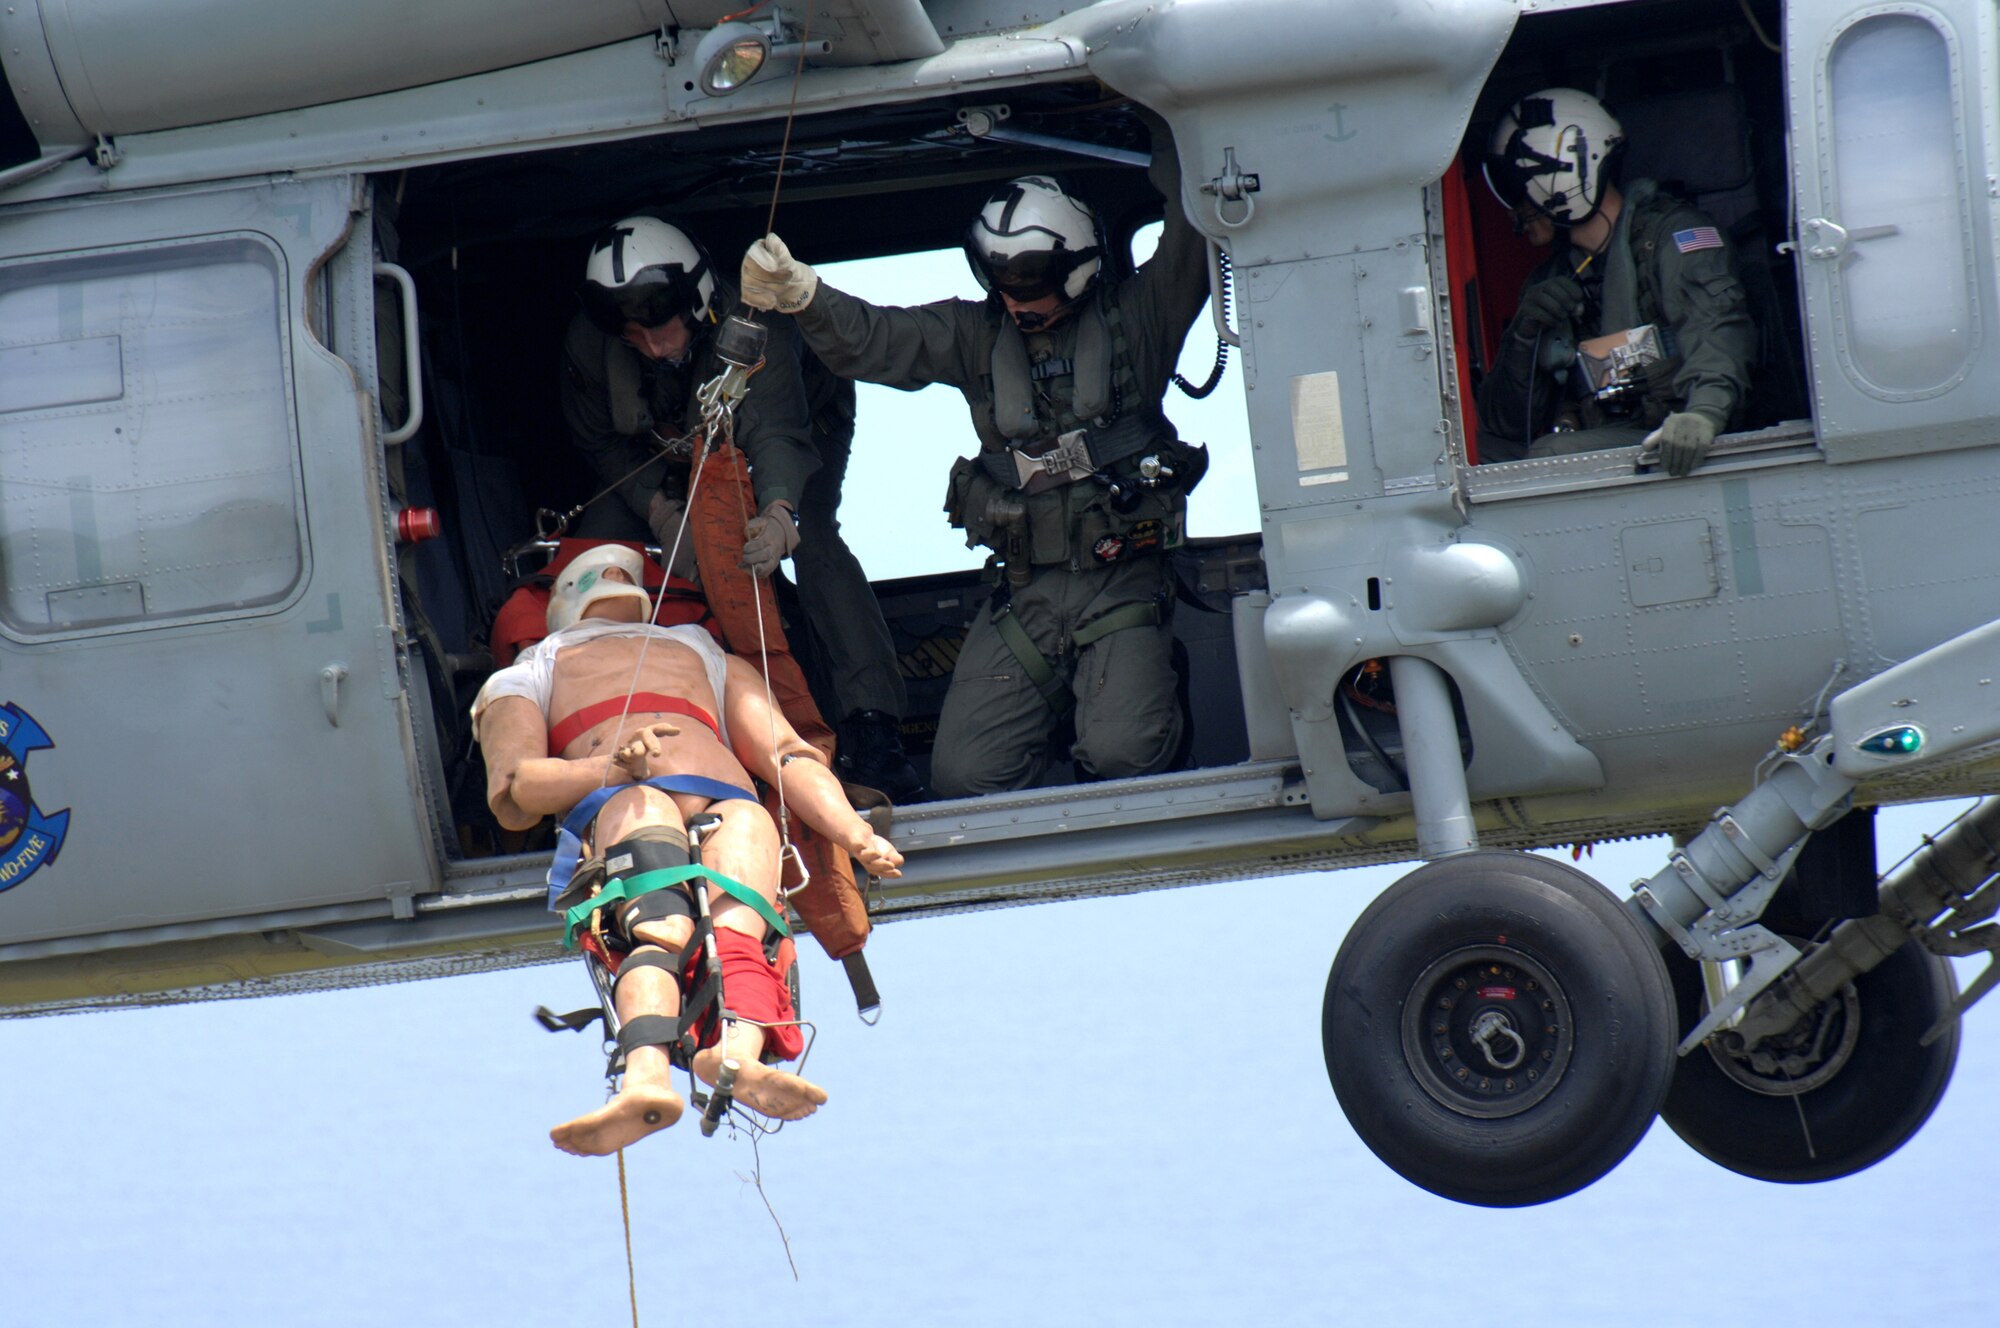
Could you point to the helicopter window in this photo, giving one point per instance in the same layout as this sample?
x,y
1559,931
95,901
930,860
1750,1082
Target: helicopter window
x,y
1702,100
1904,291
121,374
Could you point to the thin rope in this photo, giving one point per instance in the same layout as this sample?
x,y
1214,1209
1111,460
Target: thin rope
x,y
756,1177
791,113
625,1211
770,703
646,641
659,443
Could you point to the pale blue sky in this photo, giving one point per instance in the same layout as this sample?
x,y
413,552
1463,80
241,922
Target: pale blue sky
x,y
1101,1112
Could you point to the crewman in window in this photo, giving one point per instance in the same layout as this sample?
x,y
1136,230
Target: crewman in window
x,y
1637,329
632,361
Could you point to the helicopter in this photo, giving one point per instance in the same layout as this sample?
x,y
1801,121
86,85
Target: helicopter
x,y
279,301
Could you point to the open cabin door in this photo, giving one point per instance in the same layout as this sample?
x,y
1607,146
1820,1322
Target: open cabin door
x,y
197,641
1893,186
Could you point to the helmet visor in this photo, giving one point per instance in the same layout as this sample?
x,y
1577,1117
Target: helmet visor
x,y
653,297
1028,275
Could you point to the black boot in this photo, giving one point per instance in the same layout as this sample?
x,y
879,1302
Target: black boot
x,y
871,753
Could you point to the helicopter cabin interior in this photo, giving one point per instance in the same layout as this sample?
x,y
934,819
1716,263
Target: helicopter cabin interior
x,y
495,246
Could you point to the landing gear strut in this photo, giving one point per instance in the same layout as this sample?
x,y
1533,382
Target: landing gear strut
x,y
1498,1029
1846,1086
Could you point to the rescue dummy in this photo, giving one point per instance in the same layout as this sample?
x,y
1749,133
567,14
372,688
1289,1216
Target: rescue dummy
x,y
630,730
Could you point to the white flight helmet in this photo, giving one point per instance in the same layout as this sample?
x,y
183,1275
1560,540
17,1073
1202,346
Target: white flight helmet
x,y
643,270
582,584
1554,150
1032,239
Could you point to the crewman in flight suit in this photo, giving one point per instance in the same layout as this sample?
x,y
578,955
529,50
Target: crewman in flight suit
x,y
1080,486
1625,259
632,361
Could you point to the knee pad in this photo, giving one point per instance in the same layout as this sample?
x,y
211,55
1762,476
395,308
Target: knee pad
x,y
654,848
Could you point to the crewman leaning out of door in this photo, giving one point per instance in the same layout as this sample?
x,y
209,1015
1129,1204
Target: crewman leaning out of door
x,y
632,362
1080,486
674,727
1626,260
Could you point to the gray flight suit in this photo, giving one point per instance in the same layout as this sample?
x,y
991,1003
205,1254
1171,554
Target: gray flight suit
x,y
1087,588
796,427
1660,267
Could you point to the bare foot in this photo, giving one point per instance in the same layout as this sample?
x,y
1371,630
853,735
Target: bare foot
x,y
636,1112
777,1093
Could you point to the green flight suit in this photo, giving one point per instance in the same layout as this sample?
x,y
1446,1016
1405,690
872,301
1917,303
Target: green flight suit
x,y
796,427
1077,561
1661,267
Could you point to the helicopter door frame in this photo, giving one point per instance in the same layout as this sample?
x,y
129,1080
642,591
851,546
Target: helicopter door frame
x,y
196,602
1893,242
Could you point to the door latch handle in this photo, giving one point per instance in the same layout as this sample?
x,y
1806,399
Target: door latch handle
x,y
330,679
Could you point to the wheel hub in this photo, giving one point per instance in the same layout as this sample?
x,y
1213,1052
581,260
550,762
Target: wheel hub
x,y
1800,1059
1487,1031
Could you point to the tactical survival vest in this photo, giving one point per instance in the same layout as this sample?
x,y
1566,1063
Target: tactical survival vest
x,y
1071,487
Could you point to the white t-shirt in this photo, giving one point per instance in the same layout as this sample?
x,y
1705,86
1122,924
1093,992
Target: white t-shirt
x,y
533,675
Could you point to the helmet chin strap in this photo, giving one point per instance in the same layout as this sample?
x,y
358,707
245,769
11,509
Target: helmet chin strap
x,y
1033,322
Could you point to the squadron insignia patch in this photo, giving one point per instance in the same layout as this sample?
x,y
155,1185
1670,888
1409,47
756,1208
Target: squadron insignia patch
x,y
29,840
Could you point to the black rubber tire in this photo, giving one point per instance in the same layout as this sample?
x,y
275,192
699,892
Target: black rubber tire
x,y
1877,1100
1616,1052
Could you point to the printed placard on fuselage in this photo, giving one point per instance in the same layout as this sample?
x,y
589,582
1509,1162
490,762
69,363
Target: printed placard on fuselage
x,y
1318,434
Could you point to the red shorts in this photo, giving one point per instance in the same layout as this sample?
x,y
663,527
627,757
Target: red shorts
x,y
757,989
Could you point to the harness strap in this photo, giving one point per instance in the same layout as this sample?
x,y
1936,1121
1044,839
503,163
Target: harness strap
x,y
1036,665
1032,661
667,961
569,838
680,1034
619,890
1144,614
648,1030
566,731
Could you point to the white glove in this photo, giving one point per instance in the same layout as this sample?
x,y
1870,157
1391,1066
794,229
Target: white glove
x,y
772,535
772,279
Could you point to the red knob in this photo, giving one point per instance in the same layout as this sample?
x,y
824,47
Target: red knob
x,y
417,523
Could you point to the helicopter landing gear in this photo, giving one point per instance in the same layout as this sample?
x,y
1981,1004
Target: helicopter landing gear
x,y
1839,1091
1498,1029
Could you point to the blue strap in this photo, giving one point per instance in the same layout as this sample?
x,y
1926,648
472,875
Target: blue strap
x,y
569,839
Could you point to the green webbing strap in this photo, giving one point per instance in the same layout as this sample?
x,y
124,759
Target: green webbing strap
x,y
1032,661
1145,614
1036,665
1122,374
618,890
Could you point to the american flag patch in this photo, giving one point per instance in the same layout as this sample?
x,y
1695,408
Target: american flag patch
x,y
1700,237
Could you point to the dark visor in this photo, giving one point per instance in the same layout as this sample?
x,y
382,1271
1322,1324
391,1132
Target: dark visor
x,y
653,297
1027,275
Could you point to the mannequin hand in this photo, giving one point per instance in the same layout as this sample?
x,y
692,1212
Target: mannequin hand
x,y
877,856
635,755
